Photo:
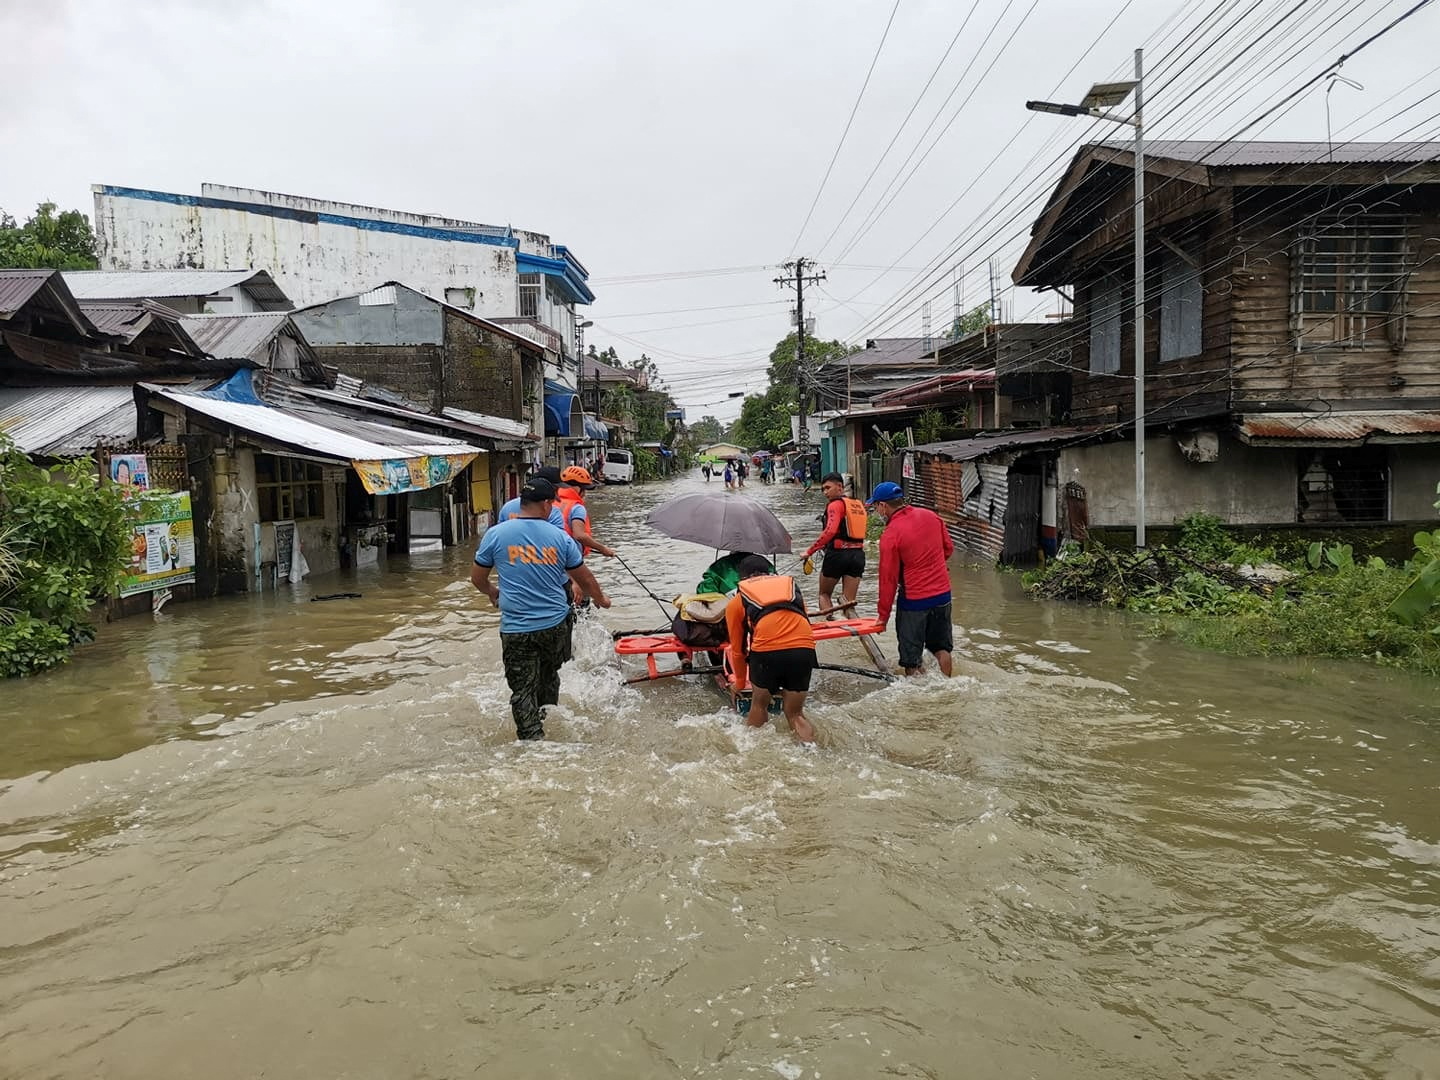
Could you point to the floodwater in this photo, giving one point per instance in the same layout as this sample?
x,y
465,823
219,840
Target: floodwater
x,y
272,836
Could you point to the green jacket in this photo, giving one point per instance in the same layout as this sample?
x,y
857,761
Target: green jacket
x,y
723,575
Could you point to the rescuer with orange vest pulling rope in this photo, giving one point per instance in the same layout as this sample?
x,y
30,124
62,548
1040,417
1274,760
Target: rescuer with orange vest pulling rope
x,y
574,482
843,541
771,644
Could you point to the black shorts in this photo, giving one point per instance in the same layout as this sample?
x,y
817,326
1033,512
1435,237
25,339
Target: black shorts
x,y
921,630
783,669
843,562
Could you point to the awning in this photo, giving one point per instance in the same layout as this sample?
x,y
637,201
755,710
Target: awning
x,y
388,460
563,416
596,430
1339,428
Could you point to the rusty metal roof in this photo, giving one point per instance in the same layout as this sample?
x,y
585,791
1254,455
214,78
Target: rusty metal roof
x,y
1220,154
66,421
993,442
1329,428
18,286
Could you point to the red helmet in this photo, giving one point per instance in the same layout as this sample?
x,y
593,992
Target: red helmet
x,y
575,474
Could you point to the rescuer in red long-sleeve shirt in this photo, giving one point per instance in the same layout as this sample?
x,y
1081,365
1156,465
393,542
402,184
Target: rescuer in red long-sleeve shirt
x,y
913,551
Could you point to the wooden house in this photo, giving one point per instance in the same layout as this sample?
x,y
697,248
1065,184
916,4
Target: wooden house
x,y
1291,330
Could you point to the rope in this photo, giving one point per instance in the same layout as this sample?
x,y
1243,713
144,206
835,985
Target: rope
x,y
664,610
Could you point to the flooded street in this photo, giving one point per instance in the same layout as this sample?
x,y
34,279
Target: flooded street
x,y
272,836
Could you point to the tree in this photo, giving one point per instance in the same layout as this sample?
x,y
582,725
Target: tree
x,y
706,430
48,241
977,318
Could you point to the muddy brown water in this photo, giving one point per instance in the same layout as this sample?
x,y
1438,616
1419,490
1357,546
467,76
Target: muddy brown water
x,y
270,837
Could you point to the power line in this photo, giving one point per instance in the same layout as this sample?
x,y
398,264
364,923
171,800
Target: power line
x,y
881,319
840,145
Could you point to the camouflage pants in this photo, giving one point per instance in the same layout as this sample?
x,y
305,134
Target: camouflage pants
x,y
532,671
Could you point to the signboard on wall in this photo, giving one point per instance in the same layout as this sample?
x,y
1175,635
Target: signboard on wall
x,y
162,547
394,476
907,467
284,548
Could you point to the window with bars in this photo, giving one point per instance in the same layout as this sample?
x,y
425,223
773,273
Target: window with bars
x,y
1344,485
1107,297
288,489
531,289
1348,283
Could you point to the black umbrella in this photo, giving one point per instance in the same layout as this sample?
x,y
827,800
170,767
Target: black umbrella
x,y
724,522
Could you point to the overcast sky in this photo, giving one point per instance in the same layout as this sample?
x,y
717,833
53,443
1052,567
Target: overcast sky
x,y
660,139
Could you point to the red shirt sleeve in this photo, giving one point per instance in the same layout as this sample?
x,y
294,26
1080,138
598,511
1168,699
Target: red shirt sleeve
x,y
889,573
946,542
834,514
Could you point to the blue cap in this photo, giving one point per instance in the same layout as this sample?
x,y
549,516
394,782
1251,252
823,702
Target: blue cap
x,y
886,492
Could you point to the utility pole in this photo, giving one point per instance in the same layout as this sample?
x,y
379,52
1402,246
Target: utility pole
x,y
802,389
1102,98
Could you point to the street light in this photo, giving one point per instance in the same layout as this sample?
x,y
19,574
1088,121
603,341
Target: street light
x,y
1101,98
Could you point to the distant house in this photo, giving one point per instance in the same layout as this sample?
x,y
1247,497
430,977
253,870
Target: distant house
x,y
724,451
884,364
190,292
445,357
320,248
1291,331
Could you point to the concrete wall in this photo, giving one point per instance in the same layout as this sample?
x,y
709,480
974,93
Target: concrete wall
x,y
1414,472
1247,485
483,370
312,256
417,371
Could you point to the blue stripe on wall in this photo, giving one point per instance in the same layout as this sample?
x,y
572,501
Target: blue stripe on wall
x,y
311,217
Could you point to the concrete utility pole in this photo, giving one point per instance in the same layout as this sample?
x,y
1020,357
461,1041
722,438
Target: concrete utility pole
x,y
798,282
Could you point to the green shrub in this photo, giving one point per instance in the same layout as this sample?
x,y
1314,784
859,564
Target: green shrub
x,y
63,543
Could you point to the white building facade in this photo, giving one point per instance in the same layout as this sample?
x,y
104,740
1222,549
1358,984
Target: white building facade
x,y
317,250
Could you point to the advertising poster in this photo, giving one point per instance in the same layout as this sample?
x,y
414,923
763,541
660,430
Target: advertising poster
x,y
130,471
396,475
907,467
162,548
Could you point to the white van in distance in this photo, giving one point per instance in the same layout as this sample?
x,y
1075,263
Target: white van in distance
x,y
619,467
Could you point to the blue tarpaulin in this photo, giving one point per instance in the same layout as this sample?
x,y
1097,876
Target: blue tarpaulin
x,y
559,408
594,429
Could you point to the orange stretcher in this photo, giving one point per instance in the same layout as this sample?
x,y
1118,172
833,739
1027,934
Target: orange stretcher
x,y
654,645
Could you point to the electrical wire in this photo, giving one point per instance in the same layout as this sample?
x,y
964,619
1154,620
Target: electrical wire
x,y
881,318
841,144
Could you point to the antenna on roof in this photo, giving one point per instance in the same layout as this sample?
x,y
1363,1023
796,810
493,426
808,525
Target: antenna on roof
x,y
925,326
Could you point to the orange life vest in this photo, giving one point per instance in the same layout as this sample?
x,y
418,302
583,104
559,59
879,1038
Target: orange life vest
x,y
767,594
567,507
855,522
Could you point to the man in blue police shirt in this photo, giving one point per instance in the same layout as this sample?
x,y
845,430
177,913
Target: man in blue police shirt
x,y
533,560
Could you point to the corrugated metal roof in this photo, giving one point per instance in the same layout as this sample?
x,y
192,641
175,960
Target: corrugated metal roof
x,y
1295,429
122,320
980,445
63,421
157,284
235,337
1223,154
324,433
883,351
287,393
18,286
510,429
